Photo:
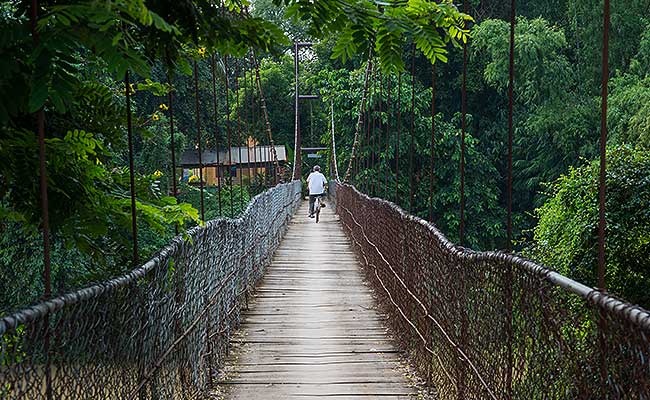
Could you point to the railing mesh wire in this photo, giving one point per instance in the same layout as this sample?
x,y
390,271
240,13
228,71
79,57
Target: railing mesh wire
x,y
159,332
488,325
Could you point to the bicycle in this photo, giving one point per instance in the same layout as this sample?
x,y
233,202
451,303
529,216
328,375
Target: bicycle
x,y
317,207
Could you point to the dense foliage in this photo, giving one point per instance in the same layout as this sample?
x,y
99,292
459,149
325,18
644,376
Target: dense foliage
x,y
556,116
566,236
71,66
76,76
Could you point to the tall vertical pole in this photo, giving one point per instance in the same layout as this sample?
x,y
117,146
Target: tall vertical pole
x,y
603,147
198,135
511,85
433,138
461,226
297,156
45,215
412,134
601,195
45,210
510,121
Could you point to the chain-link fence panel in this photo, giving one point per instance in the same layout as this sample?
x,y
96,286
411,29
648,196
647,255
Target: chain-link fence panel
x,y
491,325
158,332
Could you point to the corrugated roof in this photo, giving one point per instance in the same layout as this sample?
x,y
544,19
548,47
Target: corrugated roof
x,y
257,154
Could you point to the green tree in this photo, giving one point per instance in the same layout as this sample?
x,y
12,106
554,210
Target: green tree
x,y
566,236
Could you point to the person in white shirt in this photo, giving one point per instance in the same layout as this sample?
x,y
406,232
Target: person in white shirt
x,y
316,183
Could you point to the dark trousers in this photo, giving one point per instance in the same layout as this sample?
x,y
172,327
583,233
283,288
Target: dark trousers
x,y
312,200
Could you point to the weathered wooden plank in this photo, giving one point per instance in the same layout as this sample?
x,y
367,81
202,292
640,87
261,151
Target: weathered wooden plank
x,y
313,329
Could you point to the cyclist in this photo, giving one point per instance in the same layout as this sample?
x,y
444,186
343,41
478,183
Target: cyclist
x,y
316,183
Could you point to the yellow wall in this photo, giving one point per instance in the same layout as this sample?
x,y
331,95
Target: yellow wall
x,y
210,174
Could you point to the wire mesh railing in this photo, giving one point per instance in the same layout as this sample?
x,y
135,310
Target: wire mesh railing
x,y
490,325
158,332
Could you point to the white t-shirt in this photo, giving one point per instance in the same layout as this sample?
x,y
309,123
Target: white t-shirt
x,y
316,182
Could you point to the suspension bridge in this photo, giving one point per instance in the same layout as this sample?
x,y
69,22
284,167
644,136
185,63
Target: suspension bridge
x,y
373,302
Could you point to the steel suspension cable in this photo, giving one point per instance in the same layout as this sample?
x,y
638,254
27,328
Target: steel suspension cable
x,y
399,131
464,319
228,135
172,139
377,177
374,152
45,211
388,118
213,70
461,226
355,143
334,160
412,133
509,272
433,139
129,130
603,147
602,188
267,122
198,135
297,157
253,119
239,139
373,126
511,83
42,169
250,122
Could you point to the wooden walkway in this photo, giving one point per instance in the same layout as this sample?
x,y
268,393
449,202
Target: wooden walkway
x,y
313,330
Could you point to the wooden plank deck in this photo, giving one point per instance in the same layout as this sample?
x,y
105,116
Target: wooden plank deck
x,y
313,330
